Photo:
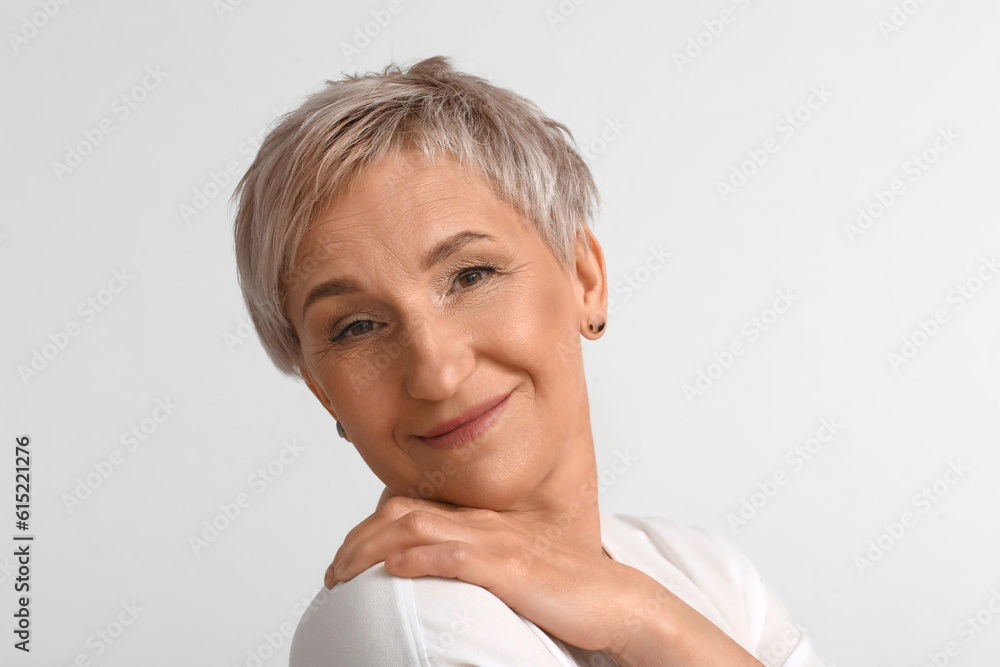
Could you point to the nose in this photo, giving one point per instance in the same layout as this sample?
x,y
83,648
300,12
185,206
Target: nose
x,y
437,357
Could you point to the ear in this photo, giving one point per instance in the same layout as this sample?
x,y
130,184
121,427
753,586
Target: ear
x,y
317,391
592,282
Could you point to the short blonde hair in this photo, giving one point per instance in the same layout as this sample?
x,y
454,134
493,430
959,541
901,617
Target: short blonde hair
x,y
317,150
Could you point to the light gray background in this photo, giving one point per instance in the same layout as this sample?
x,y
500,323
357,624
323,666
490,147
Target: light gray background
x,y
177,330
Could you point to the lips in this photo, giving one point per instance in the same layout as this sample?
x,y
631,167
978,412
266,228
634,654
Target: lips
x,y
467,426
465,417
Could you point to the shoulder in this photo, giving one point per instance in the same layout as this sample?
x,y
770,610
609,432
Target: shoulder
x,y
378,618
707,559
340,624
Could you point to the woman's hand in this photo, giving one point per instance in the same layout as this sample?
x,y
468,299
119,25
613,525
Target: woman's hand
x,y
584,599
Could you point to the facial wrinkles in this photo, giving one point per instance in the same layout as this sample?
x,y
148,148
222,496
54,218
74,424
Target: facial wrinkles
x,y
392,244
375,253
383,247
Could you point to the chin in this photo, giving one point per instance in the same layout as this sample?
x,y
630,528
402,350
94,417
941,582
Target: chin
x,y
497,494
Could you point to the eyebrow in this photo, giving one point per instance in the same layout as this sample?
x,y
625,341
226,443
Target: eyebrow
x,y
439,253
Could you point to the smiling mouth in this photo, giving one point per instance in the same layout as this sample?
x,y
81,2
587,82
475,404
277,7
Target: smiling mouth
x,y
468,426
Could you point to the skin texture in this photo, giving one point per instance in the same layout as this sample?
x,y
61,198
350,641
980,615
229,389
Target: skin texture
x,y
514,510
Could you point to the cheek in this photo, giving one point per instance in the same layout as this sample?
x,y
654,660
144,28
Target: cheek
x,y
538,330
372,412
357,375
362,396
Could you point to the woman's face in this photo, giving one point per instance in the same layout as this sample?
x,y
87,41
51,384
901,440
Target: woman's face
x,y
420,295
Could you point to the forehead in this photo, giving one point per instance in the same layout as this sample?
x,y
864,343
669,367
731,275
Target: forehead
x,y
404,201
394,212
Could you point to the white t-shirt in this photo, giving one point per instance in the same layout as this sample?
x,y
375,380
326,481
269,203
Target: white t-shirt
x,y
382,620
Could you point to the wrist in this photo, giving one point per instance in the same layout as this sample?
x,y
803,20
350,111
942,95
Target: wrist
x,y
642,625
656,628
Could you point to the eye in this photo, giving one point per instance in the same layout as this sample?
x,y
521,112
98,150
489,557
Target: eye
x,y
354,329
473,276
464,280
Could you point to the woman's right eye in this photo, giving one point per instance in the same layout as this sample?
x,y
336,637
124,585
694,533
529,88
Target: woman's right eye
x,y
354,329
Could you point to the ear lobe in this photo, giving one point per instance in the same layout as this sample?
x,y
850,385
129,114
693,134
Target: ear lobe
x,y
317,391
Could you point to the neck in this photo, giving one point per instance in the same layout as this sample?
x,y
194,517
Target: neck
x,y
567,498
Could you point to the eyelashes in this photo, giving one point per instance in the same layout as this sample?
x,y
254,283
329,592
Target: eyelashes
x,y
343,332
488,269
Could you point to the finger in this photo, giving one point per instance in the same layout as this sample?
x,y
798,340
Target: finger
x,y
391,510
397,507
418,527
452,559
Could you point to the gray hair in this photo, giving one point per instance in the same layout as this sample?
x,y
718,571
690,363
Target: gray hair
x,y
318,150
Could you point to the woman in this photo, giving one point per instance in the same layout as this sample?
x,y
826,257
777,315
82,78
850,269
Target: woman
x,y
414,245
